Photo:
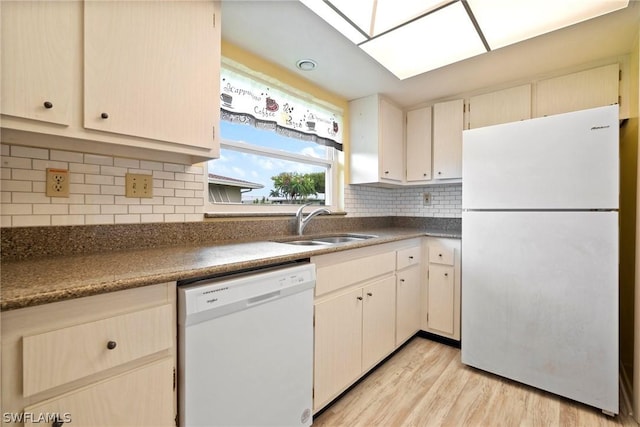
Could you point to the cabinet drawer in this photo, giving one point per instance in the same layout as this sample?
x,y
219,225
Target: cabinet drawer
x,y
407,257
439,254
336,276
109,402
54,358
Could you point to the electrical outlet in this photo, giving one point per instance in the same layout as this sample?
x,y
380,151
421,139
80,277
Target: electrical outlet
x,y
426,199
57,183
138,185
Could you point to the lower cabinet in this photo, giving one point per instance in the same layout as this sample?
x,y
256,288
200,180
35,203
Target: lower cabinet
x,y
367,303
442,297
104,360
353,332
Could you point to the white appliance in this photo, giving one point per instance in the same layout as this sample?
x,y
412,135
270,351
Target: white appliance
x,y
540,245
246,349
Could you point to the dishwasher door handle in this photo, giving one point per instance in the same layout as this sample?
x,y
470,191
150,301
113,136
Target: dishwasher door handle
x,y
262,298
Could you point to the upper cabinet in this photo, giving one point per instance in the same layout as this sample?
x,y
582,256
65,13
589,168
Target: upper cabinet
x,y
578,91
123,78
503,106
377,141
418,145
40,45
448,123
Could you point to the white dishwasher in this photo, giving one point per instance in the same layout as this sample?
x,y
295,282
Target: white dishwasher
x,y
246,348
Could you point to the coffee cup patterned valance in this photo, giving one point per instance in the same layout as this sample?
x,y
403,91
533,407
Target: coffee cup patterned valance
x,y
250,101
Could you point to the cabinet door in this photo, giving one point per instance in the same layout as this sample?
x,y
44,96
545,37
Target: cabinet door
x,y
408,304
419,145
143,397
391,137
448,119
36,73
151,71
378,321
503,106
441,304
578,91
338,345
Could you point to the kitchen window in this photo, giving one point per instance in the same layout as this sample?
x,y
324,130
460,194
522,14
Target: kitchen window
x,y
279,148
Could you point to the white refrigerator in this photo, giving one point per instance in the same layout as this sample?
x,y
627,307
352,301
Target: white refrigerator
x,y
540,253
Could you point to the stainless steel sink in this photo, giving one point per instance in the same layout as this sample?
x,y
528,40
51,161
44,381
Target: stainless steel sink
x,y
330,240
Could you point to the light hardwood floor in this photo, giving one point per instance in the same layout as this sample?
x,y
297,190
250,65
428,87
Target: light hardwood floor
x,y
424,384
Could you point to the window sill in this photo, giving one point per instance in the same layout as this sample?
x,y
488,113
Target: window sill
x,y
259,214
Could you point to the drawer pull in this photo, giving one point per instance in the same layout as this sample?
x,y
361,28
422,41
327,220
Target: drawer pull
x,y
104,115
359,298
111,345
402,280
440,255
369,294
411,257
48,104
446,274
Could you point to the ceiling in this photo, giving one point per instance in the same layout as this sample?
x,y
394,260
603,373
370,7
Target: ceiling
x,y
284,31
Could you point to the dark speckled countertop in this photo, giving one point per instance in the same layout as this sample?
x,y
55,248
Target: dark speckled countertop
x,y
43,280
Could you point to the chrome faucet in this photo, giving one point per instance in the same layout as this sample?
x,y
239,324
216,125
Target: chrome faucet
x,y
302,223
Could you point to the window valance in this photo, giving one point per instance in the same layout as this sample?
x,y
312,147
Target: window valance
x,y
256,103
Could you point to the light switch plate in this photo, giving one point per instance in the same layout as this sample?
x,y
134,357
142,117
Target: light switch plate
x,y
138,185
57,183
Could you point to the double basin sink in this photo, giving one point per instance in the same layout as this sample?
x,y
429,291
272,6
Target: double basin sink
x,y
329,240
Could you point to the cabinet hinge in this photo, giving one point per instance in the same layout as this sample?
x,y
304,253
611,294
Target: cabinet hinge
x,y
176,420
214,20
214,133
427,317
620,75
174,379
313,393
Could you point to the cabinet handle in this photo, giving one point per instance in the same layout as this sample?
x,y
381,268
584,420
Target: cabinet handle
x,y
48,104
369,294
104,116
386,172
440,255
446,274
439,173
359,298
402,280
411,257
424,174
111,345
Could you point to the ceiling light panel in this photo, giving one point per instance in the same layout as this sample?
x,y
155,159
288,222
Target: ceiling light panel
x,y
425,44
504,22
359,12
392,13
320,8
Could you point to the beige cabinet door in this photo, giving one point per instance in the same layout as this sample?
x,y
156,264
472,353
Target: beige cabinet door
x,y
418,145
407,303
578,91
338,345
378,321
391,138
151,69
503,106
441,303
448,122
142,397
40,80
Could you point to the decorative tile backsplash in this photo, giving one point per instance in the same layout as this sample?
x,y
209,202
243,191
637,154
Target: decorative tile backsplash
x,y
97,188
446,201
